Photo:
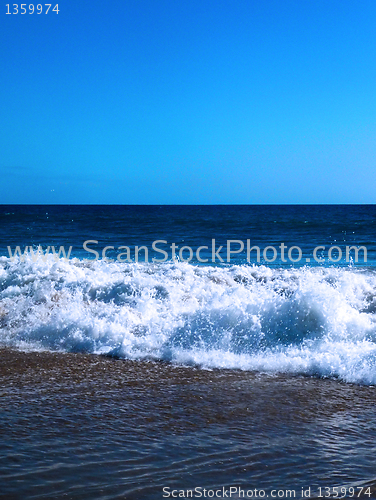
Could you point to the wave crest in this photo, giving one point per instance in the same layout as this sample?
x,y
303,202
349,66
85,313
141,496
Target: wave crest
x,y
316,321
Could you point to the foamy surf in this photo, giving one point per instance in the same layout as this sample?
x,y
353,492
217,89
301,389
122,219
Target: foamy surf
x,y
314,321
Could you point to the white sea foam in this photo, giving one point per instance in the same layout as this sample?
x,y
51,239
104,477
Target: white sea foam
x,y
318,321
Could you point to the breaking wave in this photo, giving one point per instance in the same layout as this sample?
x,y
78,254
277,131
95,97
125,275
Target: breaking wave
x,y
313,321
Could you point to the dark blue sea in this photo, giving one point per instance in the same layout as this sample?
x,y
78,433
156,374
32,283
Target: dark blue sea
x,y
159,351
305,226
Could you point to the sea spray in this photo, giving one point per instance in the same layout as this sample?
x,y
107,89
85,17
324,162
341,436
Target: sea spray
x,y
313,321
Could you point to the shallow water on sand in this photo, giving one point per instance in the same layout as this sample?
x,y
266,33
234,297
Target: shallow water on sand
x,y
83,426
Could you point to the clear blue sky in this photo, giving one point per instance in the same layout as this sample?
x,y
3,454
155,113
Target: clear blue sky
x,y
192,101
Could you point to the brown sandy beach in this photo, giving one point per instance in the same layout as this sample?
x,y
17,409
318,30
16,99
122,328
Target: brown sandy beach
x,y
85,426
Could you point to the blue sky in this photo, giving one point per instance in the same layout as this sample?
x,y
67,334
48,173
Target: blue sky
x,y
159,102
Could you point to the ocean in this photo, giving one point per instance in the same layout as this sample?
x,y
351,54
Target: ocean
x,y
155,352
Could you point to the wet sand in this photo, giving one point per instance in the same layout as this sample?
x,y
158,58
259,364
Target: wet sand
x,y
84,426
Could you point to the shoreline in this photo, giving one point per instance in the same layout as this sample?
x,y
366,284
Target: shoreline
x,y
83,426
